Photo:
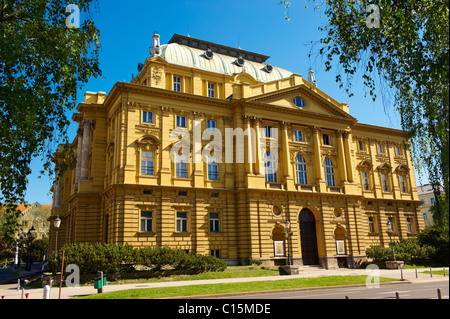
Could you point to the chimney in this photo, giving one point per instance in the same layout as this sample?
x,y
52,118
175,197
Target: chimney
x,y
312,77
155,48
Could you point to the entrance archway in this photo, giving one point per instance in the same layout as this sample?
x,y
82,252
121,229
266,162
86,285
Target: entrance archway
x,y
308,237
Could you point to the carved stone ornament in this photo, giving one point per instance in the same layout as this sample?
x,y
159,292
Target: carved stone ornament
x,y
157,73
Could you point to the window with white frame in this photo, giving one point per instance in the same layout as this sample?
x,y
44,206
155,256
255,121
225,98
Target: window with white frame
x,y
214,222
329,172
211,125
211,90
398,151
181,166
298,136
270,166
300,170
213,169
268,130
147,117
181,121
177,83
147,163
182,222
146,221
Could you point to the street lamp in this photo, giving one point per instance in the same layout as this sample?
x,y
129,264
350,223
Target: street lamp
x,y
390,225
30,238
288,230
56,224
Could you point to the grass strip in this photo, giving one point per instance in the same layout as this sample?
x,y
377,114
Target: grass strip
x,y
211,289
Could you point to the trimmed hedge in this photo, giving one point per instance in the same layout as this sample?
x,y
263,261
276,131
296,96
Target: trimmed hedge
x,y
91,258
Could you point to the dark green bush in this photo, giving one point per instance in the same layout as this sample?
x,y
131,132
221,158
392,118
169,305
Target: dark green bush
x,y
91,258
408,250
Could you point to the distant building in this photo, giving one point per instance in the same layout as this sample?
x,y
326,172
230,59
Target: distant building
x,y
426,195
36,216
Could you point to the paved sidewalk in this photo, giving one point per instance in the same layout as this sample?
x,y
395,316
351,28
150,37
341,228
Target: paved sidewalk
x,y
10,291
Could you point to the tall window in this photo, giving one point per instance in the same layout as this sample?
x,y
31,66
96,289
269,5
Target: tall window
x,y
213,170
211,90
181,167
361,145
300,169
398,151
365,181
181,121
329,172
298,136
182,221
403,187
214,223
372,228
391,225
146,221
147,161
147,117
380,149
177,83
326,139
385,182
270,166
409,223
269,131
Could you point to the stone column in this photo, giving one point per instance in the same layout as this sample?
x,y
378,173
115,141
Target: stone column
x,y
348,157
341,155
287,168
85,149
79,151
249,151
258,169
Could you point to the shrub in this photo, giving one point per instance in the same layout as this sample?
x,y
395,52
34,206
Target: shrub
x,y
408,250
379,253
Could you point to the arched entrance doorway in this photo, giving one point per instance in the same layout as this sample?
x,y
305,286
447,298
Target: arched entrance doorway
x,y
308,237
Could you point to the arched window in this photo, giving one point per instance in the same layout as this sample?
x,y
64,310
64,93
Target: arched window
x,y
329,172
300,170
270,166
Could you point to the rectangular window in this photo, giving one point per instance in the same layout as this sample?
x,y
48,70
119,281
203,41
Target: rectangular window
x,y
365,180
181,121
182,221
146,221
147,161
211,125
214,223
385,182
361,146
213,171
398,151
211,90
177,84
423,202
380,149
403,184
432,200
147,117
372,228
181,169
269,132
326,139
298,136
425,216
409,223
215,253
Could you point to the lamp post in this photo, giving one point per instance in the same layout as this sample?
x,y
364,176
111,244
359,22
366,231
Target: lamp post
x,y
56,224
390,225
30,238
288,230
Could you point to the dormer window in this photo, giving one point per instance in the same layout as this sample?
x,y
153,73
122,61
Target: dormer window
x,y
240,61
209,54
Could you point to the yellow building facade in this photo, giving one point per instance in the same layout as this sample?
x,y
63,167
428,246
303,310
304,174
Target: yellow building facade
x,y
304,159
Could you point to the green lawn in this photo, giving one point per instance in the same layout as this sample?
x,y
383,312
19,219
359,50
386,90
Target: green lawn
x,y
200,290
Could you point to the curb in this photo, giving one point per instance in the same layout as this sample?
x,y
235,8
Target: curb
x,y
230,294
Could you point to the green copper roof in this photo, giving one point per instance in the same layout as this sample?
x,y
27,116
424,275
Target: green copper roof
x,y
194,58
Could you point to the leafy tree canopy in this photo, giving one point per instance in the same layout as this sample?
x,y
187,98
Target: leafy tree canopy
x,y
400,48
43,62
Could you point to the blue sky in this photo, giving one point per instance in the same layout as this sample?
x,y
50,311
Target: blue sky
x,y
255,25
